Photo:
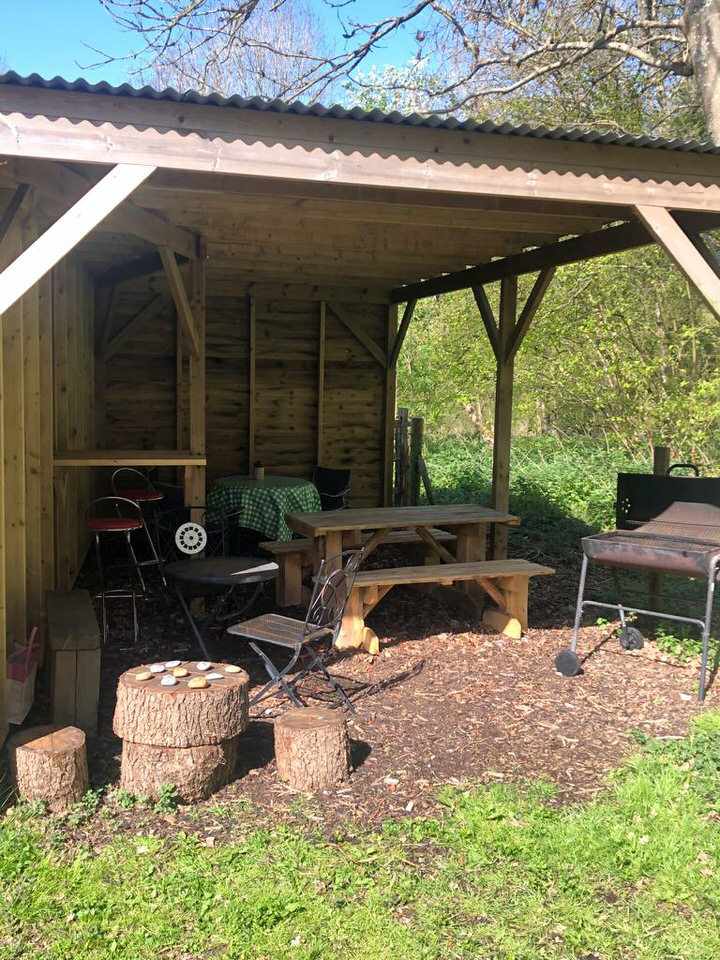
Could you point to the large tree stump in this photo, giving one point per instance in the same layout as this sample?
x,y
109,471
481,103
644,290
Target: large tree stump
x,y
178,735
195,772
312,749
147,712
49,763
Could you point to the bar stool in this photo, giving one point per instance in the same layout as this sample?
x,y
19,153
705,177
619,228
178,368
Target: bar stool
x,y
116,515
132,484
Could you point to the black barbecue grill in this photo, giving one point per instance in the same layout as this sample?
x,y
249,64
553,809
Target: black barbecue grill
x,y
684,540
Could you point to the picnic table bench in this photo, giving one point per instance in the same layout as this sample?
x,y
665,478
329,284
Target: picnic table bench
x,y
504,581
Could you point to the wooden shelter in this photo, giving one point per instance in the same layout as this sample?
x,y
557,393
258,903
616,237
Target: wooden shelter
x,y
205,283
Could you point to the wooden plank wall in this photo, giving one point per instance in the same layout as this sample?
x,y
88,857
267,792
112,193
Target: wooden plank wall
x,y
74,394
46,369
289,363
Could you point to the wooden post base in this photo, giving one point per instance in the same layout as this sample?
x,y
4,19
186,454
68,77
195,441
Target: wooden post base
x,y
312,749
49,764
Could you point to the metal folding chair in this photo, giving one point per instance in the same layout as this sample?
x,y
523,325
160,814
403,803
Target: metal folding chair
x,y
309,641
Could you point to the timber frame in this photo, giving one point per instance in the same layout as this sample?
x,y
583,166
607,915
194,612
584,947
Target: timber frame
x,y
195,286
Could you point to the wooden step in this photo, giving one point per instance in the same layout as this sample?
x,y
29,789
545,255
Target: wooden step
x,y
442,572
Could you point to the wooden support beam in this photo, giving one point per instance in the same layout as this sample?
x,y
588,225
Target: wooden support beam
x,y
704,250
68,231
350,324
195,477
587,246
11,210
151,310
133,269
179,295
401,334
681,249
321,385
488,319
502,429
390,401
528,312
252,365
64,185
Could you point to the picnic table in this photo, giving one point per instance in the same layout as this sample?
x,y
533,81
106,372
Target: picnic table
x,y
336,530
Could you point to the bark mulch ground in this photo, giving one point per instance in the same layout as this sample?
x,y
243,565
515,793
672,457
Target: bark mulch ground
x,y
446,702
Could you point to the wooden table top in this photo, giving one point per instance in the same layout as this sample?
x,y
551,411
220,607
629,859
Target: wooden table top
x,y
380,518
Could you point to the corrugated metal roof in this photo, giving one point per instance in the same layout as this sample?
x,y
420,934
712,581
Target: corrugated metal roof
x,y
570,134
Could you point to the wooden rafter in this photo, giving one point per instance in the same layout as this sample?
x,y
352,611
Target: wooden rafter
x,y
151,310
180,297
60,238
597,243
7,217
350,324
401,334
681,249
63,185
143,266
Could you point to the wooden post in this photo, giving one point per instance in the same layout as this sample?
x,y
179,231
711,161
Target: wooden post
x,y
195,476
390,403
321,385
401,457
251,383
661,460
417,428
502,432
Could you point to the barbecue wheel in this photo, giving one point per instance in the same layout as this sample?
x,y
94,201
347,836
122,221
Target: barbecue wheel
x,y
567,663
631,639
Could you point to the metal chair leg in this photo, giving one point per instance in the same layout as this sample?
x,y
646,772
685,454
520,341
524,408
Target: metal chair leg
x,y
579,606
277,677
191,621
155,556
706,633
135,562
316,662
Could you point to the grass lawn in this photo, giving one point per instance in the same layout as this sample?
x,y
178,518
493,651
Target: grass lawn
x,y
503,874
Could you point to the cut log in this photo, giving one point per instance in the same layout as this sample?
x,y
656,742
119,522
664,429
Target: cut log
x,y
49,764
195,772
311,748
146,712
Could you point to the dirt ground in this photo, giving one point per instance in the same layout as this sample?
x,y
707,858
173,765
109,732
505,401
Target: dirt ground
x,y
446,702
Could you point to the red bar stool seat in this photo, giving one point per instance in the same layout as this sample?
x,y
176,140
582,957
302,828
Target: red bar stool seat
x,y
113,524
142,494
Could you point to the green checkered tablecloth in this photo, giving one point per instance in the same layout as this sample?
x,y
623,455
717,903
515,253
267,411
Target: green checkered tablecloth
x,y
262,504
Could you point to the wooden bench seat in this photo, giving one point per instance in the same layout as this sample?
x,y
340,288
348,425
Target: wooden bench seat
x,y
505,581
293,556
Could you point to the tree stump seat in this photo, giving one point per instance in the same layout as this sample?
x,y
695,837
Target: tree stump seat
x,y
180,736
49,763
312,748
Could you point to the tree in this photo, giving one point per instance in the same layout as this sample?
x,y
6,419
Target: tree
x,y
473,49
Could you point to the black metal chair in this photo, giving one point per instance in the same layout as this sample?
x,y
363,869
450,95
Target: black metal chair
x,y
310,640
333,487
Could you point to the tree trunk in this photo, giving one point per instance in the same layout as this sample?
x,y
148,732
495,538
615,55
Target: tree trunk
x,y
49,763
195,772
178,716
702,29
311,748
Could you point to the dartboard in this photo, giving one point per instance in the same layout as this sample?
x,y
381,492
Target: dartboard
x,y
191,538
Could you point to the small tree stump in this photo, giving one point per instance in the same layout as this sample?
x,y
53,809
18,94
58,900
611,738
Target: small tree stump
x,y
146,712
49,763
312,749
195,772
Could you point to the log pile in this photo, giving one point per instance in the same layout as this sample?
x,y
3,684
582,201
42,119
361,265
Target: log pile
x,y
184,734
49,764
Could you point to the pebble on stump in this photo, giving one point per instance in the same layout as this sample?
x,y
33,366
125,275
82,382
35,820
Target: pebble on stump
x,y
312,748
49,763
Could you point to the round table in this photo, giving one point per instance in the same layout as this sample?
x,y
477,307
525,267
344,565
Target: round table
x,y
262,504
224,573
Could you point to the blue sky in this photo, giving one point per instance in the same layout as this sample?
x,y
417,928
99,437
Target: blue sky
x,y
51,37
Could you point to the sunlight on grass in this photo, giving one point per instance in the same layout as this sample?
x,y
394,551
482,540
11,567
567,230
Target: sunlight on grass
x,y
503,873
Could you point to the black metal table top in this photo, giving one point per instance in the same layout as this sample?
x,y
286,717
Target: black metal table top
x,y
223,571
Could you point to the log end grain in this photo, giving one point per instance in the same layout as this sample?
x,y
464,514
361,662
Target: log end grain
x,y
49,764
312,748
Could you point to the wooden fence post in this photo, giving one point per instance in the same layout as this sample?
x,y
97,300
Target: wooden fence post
x,y
401,458
417,429
661,460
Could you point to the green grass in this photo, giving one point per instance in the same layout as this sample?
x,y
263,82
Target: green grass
x,y
502,874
